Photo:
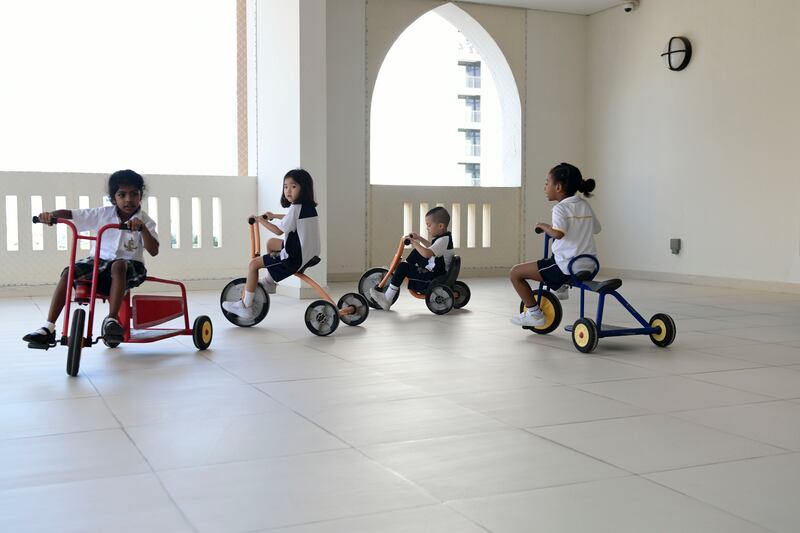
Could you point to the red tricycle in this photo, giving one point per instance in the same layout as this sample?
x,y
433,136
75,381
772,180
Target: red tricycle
x,y
138,314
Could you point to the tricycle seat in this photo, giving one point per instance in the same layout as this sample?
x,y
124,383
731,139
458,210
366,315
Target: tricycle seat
x,y
311,262
603,287
449,278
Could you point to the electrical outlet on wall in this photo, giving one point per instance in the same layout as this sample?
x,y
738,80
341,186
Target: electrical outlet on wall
x,y
675,246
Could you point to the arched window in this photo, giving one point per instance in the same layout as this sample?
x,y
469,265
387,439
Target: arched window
x,y
445,108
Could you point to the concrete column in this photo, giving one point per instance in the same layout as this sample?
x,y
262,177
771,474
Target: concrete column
x,y
291,103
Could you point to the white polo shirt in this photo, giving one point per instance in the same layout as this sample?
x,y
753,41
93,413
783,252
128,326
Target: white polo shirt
x,y
575,218
115,244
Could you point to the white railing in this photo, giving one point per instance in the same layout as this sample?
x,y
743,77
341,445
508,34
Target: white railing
x,y
485,221
201,223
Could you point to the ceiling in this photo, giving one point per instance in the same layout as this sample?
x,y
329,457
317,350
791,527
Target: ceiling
x,y
578,7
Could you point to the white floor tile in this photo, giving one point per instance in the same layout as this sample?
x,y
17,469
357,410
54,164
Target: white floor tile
x,y
314,395
129,504
30,419
671,393
626,505
431,518
69,457
763,490
137,408
653,443
775,423
401,420
488,463
229,439
287,491
545,406
769,354
776,382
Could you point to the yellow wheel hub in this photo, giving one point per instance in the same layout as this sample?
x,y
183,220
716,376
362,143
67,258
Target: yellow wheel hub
x,y
206,332
581,335
549,312
659,324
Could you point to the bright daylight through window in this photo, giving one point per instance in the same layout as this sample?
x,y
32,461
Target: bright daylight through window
x,y
98,85
443,111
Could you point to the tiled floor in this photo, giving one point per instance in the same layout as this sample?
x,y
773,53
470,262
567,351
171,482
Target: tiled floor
x,y
413,422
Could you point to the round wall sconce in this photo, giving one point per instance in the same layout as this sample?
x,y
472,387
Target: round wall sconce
x,y
677,53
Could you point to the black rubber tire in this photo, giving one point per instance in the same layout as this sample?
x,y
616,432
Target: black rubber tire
x,y
439,299
75,342
361,305
233,292
202,332
549,301
370,279
461,293
322,318
585,335
665,338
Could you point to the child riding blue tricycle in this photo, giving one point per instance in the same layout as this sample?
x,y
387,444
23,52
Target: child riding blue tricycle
x,y
586,333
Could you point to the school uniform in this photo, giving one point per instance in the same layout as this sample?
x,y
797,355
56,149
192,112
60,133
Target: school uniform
x,y
574,217
419,269
301,242
115,245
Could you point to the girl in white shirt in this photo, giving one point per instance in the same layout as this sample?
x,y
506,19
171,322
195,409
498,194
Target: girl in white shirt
x,y
289,255
573,229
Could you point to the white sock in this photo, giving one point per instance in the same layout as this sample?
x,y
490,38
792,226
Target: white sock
x,y
530,310
247,299
391,291
49,326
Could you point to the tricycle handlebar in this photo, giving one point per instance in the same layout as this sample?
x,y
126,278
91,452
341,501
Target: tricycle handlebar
x,y
121,226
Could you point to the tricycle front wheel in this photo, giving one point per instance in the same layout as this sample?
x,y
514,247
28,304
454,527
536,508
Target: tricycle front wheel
x,y
75,342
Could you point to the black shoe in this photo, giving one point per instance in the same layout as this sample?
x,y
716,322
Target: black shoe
x,y
112,330
40,336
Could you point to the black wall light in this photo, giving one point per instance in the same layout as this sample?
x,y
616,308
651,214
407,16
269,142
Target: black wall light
x,y
678,53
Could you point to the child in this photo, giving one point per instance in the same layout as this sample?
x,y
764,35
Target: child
x,y
121,257
573,228
428,259
285,257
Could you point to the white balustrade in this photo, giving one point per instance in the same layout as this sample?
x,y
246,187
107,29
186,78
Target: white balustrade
x,y
201,221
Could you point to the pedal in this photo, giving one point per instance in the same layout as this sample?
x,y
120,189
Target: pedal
x,y
38,346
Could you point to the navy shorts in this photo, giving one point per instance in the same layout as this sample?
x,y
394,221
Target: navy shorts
x,y
552,276
134,276
279,269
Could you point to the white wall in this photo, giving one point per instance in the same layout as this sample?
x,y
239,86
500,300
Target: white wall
x,y
347,130
709,154
555,128
292,106
551,87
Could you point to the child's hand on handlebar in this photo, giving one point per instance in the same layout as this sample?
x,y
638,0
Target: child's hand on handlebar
x,y
135,224
46,218
541,227
269,215
413,236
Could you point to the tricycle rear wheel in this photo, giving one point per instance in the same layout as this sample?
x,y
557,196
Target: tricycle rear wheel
x,y
202,332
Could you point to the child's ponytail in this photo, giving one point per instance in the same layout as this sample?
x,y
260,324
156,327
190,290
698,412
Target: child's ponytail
x,y
587,186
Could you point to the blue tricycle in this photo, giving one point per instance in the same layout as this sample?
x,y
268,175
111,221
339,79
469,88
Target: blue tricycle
x,y
586,333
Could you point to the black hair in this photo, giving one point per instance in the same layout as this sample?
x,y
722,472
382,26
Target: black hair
x,y
306,183
124,177
439,215
569,176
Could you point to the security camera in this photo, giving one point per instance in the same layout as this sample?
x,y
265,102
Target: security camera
x,y
630,6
